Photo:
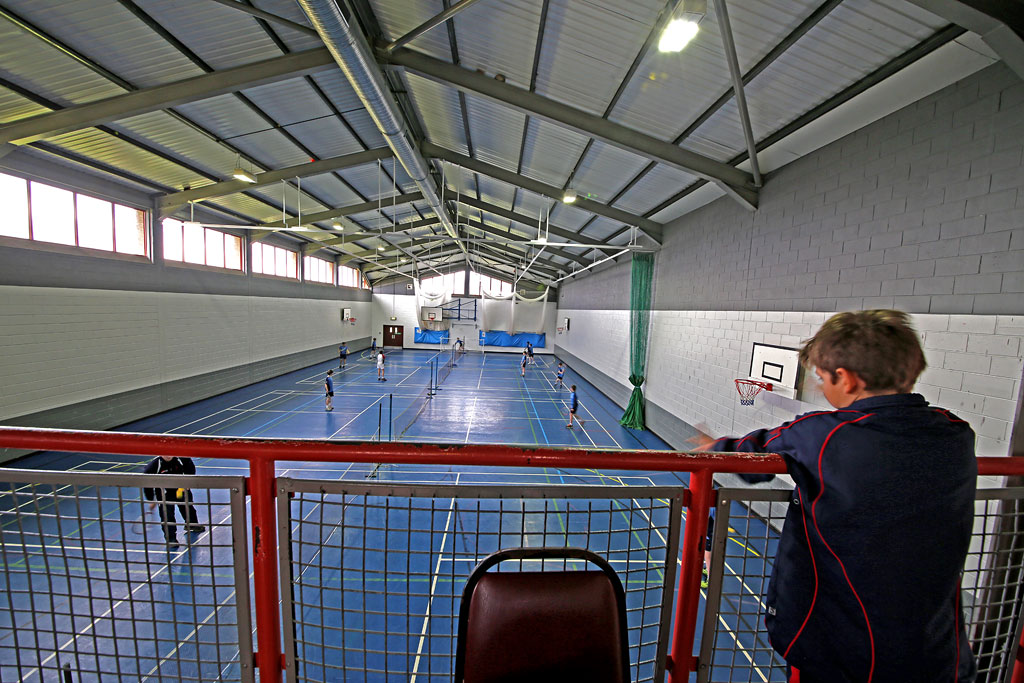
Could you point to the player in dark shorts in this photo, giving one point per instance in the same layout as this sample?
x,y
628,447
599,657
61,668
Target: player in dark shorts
x,y
573,405
560,375
329,391
522,365
342,355
529,352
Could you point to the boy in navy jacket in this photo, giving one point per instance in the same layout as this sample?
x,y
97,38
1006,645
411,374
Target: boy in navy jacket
x,y
866,582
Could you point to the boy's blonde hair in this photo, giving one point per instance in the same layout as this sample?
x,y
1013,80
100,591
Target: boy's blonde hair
x,y
879,345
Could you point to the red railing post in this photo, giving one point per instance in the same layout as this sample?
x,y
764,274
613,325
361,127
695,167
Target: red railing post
x,y
1018,666
264,567
688,593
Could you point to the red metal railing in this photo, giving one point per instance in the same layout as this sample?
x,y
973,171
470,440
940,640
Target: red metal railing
x,y
264,454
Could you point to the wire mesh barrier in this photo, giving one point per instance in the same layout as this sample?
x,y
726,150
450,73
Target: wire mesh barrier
x,y
373,574
734,642
364,582
93,591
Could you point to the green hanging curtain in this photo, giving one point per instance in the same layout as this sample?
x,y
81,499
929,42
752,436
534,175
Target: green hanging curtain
x,y
639,323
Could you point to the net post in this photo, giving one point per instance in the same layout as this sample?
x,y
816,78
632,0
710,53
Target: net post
x,y
688,593
264,565
1018,665
391,416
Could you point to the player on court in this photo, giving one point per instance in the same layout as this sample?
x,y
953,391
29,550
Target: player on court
x,y
560,375
342,355
380,367
373,345
171,499
329,391
522,365
529,352
573,405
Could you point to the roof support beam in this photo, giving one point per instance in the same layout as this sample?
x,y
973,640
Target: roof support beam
x,y
165,96
527,220
725,28
1000,25
734,181
169,202
429,24
653,229
348,210
399,227
552,246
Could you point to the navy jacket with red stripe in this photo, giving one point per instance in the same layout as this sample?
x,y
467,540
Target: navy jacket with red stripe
x,y
865,584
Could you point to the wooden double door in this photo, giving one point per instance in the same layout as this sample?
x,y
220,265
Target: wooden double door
x,y
394,335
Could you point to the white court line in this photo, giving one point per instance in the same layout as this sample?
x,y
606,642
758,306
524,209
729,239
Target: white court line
x,y
354,418
433,588
233,407
469,424
120,602
276,395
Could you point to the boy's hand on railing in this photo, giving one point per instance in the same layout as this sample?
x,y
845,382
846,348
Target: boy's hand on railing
x,y
701,440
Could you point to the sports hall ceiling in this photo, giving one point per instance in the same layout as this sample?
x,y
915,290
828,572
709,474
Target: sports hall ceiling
x,y
495,111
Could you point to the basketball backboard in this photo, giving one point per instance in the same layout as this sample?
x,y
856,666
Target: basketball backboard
x,y
778,365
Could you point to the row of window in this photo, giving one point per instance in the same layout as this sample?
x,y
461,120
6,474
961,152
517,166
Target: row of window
x,y
192,243
456,282
36,211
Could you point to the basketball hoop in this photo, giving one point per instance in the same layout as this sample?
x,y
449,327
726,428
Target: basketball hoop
x,y
430,316
352,320
749,388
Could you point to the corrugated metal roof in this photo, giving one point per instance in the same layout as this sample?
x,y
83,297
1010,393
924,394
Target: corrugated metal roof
x,y
856,38
497,131
128,46
220,36
438,107
588,47
31,63
551,152
605,170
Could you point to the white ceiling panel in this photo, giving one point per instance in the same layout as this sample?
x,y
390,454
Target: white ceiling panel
x,y
438,107
551,152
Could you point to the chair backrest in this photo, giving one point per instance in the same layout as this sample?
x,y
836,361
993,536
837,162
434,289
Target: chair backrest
x,y
542,625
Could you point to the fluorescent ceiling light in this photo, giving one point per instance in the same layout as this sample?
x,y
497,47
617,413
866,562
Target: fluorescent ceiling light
x,y
380,248
336,225
570,196
677,34
242,174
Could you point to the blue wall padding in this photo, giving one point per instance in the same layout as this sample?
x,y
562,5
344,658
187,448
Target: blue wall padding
x,y
430,336
496,338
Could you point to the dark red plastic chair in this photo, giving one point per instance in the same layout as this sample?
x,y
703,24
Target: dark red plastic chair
x,y
535,626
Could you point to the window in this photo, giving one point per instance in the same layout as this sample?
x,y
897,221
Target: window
x,y
192,243
43,213
13,207
318,270
456,282
491,284
350,277
270,260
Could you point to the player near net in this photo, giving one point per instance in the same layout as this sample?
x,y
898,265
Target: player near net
x,y
866,580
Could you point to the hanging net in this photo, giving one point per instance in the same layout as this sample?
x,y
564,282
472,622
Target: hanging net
x,y
639,325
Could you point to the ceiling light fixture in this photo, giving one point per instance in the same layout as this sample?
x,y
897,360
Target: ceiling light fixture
x,y
241,174
336,225
570,196
683,27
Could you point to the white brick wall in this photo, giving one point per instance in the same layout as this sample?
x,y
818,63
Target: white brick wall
x,y
62,346
974,363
